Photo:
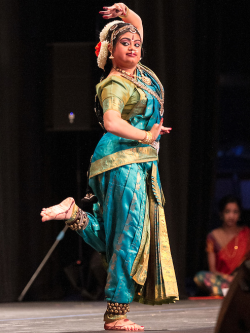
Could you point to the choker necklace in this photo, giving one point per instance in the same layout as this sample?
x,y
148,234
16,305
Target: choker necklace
x,y
124,72
144,79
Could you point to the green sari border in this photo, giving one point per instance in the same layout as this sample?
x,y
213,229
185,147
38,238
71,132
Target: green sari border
x,y
123,157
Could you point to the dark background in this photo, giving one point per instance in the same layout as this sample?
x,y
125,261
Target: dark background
x,y
199,50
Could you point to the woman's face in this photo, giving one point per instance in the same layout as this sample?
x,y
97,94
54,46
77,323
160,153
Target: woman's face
x,y
231,214
127,51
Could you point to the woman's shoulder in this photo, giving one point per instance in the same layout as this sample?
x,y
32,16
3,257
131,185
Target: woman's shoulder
x,y
215,232
116,80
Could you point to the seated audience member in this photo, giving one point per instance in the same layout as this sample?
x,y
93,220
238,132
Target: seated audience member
x,y
226,249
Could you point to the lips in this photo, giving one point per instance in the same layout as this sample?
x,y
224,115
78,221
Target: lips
x,y
132,54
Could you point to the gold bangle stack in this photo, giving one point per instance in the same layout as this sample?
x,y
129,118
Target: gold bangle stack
x,y
126,11
148,138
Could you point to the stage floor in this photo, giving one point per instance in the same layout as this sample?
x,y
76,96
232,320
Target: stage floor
x,y
68,317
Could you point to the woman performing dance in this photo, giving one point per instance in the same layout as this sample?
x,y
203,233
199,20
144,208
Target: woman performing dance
x,y
128,226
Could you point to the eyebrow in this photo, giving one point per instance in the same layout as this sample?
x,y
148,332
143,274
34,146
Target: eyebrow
x,y
137,40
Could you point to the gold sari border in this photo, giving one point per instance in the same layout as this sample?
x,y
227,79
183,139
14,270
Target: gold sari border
x,y
123,157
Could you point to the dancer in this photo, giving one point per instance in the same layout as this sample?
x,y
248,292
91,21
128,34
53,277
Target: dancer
x,y
227,248
128,225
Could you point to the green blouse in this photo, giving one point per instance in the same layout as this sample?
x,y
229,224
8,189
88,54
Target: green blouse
x,y
135,106
119,94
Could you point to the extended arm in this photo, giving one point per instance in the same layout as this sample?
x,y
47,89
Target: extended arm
x,y
116,125
127,15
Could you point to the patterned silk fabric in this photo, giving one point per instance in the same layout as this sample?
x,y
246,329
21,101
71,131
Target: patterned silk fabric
x,y
128,225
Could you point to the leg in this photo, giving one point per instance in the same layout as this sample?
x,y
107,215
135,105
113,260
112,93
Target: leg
x,y
124,198
119,324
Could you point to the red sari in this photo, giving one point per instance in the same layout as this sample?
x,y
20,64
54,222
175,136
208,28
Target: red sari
x,y
229,257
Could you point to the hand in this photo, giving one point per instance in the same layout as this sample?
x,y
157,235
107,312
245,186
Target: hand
x,y
159,129
118,9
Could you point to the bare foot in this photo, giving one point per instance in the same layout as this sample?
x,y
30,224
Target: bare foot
x,y
123,325
63,211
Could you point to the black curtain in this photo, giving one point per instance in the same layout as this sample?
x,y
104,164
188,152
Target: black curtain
x,y
180,49
9,148
204,131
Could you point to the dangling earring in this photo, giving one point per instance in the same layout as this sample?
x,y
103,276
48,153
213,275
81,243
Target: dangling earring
x,y
111,55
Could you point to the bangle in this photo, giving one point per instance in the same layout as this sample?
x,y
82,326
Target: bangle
x,y
126,12
148,138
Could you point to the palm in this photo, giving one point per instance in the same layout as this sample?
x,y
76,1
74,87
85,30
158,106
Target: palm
x,y
111,12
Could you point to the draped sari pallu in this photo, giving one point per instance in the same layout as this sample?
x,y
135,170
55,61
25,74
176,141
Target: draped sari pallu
x,y
128,225
233,254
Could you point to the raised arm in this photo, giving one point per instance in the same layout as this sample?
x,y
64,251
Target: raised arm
x,y
126,14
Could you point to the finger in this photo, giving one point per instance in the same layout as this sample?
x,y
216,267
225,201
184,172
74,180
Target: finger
x,y
108,16
162,133
167,128
109,7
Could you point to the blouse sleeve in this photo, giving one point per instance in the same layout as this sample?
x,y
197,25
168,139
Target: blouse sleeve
x,y
114,96
209,243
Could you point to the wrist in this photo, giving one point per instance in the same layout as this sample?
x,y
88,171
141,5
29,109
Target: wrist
x,y
125,12
148,139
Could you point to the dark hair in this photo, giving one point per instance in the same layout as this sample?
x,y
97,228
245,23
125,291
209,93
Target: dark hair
x,y
229,199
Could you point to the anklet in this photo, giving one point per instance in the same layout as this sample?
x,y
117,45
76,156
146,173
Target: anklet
x,y
79,219
117,308
73,215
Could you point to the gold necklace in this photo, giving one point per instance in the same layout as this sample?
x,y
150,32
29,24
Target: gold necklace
x,y
124,72
150,91
144,79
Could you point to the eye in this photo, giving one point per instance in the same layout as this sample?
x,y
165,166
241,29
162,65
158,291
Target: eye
x,y
137,45
125,43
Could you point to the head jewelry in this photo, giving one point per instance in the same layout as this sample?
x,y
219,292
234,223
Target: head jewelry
x,y
111,26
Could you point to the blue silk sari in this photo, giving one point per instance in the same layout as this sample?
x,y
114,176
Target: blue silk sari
x,y
128,225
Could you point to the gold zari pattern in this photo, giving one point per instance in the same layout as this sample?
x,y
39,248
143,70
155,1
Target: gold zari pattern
x,y
123,157
154,237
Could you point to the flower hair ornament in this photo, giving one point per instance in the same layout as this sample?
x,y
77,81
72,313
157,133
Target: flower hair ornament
x,y
101,49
